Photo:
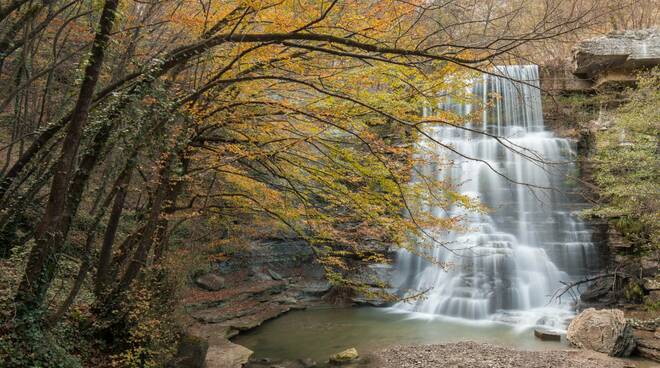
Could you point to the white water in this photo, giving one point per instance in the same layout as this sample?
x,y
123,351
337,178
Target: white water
x,y
509,263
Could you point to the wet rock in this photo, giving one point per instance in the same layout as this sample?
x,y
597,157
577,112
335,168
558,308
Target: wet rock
x,y
344,357
605,331
210,282
546,334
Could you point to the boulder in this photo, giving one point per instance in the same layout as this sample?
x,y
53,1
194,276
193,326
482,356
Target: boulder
x,y
345,356
210,282
605,331
546,334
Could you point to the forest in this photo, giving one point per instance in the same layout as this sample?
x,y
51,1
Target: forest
x,y
145,145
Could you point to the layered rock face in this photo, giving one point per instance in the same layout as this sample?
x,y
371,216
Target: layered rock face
x,y
605,331
613,58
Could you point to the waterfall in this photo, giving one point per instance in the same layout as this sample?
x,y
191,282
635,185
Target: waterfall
x,y
509,262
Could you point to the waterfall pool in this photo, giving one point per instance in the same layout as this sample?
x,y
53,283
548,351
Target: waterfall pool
x,y
319,333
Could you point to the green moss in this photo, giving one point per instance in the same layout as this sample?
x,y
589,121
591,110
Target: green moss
x,y
633,292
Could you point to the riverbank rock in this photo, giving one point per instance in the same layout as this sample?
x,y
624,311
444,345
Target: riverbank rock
x,y
225,354
210,282
344,357
605,331
546,334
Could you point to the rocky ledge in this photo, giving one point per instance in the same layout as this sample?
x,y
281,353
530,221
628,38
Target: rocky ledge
x,y
216,316
240,293
476,355
611,59
243,290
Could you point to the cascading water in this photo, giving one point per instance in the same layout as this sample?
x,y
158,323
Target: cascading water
x,y
510,261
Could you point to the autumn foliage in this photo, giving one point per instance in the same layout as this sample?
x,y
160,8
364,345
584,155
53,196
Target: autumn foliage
x,y
142,134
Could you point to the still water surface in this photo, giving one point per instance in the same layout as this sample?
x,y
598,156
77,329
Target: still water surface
x,y
318,333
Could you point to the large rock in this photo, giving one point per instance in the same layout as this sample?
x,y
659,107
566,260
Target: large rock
x,y
605,331
210,282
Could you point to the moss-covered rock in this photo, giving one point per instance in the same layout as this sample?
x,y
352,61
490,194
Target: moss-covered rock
x,y
345,356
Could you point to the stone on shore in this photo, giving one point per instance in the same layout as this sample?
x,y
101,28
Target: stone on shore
x,y
605,331
546,334
345,356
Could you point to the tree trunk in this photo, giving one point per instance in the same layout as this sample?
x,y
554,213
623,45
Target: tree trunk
x,y
147,237
42,261
103,267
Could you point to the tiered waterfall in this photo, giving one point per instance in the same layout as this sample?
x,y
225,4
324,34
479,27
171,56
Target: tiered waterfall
x,y
511,260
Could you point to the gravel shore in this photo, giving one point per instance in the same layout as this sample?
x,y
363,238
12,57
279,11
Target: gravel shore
x,y
478,355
